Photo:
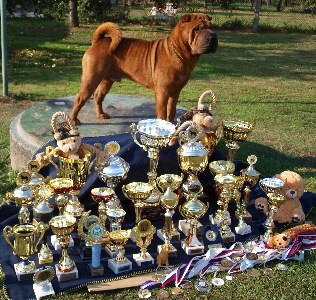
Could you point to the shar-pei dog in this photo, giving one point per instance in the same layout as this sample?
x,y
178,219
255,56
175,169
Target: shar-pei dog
x,y
164,65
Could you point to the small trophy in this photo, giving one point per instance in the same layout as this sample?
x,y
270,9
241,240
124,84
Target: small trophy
x,y
272,187
113,171
120,263
42,282
37,179
93,237
63,226
101,195
24,246
143,233
234,132
242,228
227,235
154,135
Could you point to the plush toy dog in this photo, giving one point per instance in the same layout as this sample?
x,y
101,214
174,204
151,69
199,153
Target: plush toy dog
x,y
69,144
291,210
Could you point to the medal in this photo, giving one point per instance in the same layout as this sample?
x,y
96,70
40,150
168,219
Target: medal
x,y
281,267
218,281
186,284
144,293
176,290
226,262
202,285
267,271
252,256
239,276
162,294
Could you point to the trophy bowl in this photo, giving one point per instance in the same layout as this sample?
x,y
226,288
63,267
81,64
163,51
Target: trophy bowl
x,y
101,195
61,186
169,180
236,131
271,185
119,238
137,192
116,217
221,167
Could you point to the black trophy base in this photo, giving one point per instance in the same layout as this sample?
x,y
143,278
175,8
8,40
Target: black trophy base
x,y
99,271
86,252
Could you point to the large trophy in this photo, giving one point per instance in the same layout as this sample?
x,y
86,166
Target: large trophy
x,y
63,226
138,192
75,169
43,212
120,263
272,187
234,132
61,187
113,171
193,159
143,233
154,134
24,246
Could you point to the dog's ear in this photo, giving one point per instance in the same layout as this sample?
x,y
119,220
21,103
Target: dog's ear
x,y
185,18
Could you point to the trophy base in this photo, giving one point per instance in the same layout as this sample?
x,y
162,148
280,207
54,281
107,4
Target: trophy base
x,y
185,227
192,250
23,275
119,267
143,261
174,237
98,271
43,290
64,276
228,238
242,230
247,217
211,237
111,252
218,222
56,245
45,260
173,252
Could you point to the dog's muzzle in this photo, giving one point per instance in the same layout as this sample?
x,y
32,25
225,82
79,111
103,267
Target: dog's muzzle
x,y
212,42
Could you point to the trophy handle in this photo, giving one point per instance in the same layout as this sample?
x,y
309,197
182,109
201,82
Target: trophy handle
x,y
134,132
41,229
7,232
50,152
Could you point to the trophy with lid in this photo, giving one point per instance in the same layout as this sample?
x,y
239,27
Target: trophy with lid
x,y
154,134
113,172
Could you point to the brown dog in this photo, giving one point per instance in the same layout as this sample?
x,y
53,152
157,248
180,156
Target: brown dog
x,y
163,65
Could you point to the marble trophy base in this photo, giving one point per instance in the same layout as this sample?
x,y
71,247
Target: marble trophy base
x,y
192,250
184,227
173,252
111,252
143,261
119,267
64,276
22,275
56,245
228,238
95,271
175,236
244,229
41,291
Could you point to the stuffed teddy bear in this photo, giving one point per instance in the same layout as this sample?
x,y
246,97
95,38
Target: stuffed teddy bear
x,y
203,117
284,239
69,143
291,210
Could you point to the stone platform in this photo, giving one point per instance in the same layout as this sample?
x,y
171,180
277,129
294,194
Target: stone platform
x,y
31,129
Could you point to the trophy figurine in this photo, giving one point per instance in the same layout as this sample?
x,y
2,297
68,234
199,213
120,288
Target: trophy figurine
x,y
37,179
101,195
24,246
113,171
143,233
234,132
169,201
272,187
42,282
154,135
138,192
242,228
95,232
226,233
120,263
43,212
63,226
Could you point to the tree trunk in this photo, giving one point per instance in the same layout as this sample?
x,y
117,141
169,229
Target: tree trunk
x,y
73,13
255,24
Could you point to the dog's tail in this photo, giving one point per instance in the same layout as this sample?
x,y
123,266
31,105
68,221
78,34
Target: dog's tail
x,y
112,30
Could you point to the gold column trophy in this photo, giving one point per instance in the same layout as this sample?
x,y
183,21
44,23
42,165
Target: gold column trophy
x,y
43,212
138,192
113,171
42,282
120,263
272,187
24,246
143,233
234,132
63,226
154,135
193,159
168,183
92,230
75,169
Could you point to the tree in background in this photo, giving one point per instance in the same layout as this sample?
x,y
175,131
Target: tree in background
x,y
73,13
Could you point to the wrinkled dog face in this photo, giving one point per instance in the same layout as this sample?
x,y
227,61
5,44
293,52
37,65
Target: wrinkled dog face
x,y
202,39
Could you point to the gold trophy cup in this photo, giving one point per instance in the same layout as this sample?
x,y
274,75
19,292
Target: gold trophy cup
x,y
63,226
234,132
61,187
101,195
24,246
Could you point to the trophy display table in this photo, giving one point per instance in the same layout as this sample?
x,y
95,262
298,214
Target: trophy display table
x,y
137,159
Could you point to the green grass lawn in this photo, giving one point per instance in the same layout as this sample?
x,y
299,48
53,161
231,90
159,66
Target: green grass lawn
x,y
267,78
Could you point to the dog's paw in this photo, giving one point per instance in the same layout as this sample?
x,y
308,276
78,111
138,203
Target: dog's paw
x,y
104,116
